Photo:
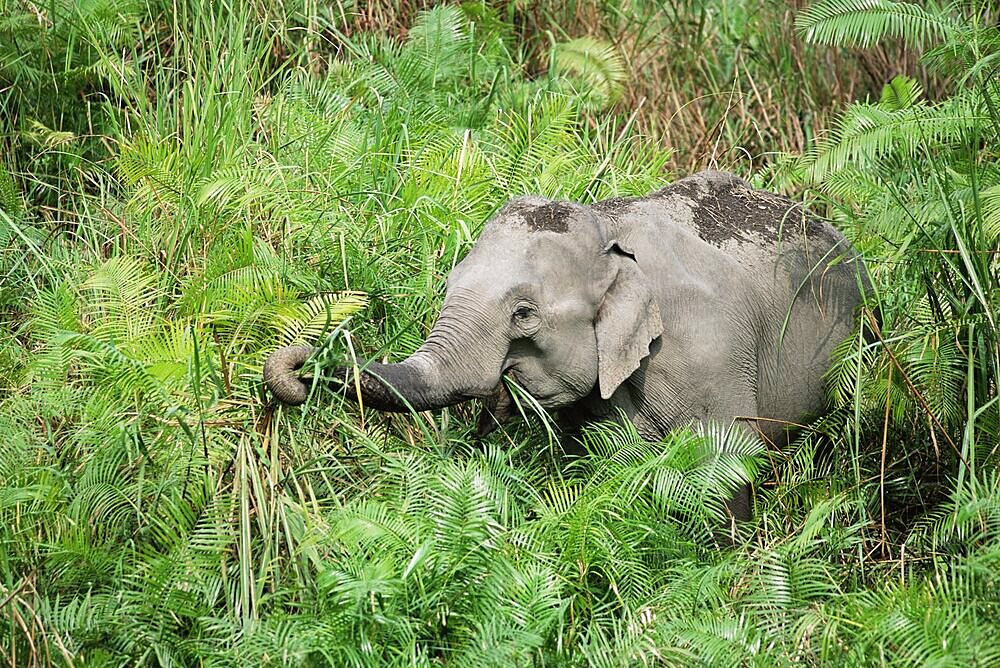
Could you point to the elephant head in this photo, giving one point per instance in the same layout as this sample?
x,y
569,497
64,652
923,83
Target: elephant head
x,y
549,295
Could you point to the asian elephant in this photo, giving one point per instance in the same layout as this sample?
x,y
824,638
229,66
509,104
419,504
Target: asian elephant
x,y
707,300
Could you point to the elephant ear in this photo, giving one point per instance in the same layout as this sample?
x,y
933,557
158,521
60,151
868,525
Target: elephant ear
x,y
627,321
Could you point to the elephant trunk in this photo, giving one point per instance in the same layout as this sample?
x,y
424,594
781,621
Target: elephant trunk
x,y
443,372
281,377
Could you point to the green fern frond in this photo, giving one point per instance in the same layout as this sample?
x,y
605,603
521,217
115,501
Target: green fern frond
x,y
112,369
532,150
154,170
991,213
10,198
221,292
863,23
900,93
49,138
436,46
55,311
937,369
120,295
320,314
720,639
595,62
867,134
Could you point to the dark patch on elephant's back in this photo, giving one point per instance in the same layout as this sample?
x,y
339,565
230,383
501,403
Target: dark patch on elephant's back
x,y
614,206
729,208
547,217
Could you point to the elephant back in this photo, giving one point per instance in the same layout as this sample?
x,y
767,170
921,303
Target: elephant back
x,y
726,212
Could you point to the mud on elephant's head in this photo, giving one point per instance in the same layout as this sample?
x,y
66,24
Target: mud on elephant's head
x,y
547,296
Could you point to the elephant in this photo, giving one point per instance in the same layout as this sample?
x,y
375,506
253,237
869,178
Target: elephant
x,y
706,301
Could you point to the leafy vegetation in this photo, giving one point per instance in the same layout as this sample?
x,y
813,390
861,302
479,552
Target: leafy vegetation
x,y
188,185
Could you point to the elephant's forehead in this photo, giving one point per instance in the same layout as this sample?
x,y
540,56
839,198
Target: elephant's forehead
x,y
541,248
534,214
504,256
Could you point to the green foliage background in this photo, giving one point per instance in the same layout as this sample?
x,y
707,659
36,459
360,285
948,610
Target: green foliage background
x,y
186,186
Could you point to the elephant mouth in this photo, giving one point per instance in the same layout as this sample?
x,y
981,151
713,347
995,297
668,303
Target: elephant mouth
x,y
512,372
546,400
501,406
498,408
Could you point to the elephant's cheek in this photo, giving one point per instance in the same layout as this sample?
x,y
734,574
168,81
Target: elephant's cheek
x,y
578,376
535,384
554,391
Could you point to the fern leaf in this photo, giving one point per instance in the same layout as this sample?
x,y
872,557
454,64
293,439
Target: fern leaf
x,y
900,93
320,314
10,199
863,23
595,62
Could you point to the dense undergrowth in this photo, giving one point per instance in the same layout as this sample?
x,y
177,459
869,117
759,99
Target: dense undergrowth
x,y
186,186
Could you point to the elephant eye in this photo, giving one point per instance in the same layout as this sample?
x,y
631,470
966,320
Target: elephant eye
x,y
525,319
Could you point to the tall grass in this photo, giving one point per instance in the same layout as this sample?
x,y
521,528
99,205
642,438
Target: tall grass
x,y
190,185
724,83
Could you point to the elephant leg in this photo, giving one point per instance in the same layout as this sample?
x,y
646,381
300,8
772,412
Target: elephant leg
x,y
738,515
738,506
738,501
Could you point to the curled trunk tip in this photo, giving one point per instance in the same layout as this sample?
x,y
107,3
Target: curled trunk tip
x,y
281,377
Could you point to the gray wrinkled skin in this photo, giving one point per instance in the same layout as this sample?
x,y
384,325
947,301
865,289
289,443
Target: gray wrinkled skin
x,y
705,301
